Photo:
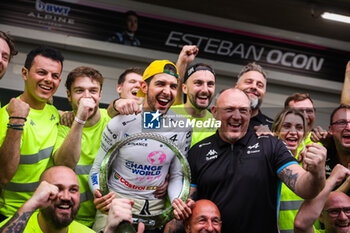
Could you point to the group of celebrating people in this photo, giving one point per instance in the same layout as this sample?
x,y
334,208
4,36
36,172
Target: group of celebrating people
x,y
50,160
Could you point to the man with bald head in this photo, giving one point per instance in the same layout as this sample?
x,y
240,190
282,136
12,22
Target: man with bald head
x,y
59,208
205,218
332,208
239,171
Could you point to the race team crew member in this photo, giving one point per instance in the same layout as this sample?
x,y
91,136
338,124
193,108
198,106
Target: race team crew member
x,y
252,80
240,172
199,88
32,125
76,146
142,165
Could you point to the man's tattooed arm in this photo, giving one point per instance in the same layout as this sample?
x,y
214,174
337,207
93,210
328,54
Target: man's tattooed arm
x,y
17,223
288,177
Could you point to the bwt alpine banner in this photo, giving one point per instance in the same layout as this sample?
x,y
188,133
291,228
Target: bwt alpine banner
x,y
165,34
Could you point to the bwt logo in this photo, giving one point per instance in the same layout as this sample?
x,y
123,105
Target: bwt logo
x,y
51,8
151,120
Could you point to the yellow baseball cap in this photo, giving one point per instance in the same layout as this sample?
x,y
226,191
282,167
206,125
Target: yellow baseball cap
x,y
157,67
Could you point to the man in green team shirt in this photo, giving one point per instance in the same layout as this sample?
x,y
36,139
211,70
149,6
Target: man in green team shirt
x,y
31,127
198,84
58,199
76,147
199,87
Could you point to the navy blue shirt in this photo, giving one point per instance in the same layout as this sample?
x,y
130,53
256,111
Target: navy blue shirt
x,y
241,179
260,119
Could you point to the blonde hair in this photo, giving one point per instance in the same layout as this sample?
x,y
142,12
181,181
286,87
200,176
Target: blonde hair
x,y
279,119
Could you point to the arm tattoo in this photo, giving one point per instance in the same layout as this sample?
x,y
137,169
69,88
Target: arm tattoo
x,y
290,179
17,223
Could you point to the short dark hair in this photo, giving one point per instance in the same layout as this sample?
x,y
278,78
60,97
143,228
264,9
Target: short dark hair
x,y
196,67
44,51
251,67
136,70
83,71
6,37
342,106
133,13
296,97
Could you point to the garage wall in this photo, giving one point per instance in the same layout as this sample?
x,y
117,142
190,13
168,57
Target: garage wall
x,y
111,59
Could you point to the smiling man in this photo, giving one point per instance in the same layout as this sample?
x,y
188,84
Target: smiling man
x,y
199,87
252,80
338,151
205,217
248,168
7,51
32,127
129,84
59,204
77,146
142,165
331,208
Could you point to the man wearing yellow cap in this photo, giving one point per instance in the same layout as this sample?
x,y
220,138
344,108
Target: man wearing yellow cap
x,y
142,165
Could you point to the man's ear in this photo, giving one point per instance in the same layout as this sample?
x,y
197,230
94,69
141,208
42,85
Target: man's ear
x,y
69,96
144,87
330,130
214,111
24,73
119,89
321,218
184,88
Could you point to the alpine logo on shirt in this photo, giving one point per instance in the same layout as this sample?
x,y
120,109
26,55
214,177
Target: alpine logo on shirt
x,y
212,154
253,149
52,117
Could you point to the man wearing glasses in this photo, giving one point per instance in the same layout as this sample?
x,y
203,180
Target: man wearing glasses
x,y
338,151
332,208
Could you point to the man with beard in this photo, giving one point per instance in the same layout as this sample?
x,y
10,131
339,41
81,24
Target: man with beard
x,y
199,87
331,208
338,150
31,128
76,147
205,217
59,204
252,80
248,169
142,165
